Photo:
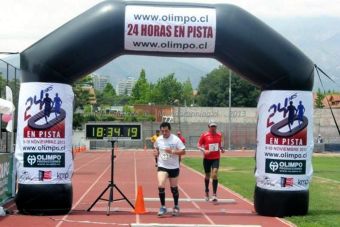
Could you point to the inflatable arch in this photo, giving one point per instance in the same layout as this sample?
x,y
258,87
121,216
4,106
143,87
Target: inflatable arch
x,y
113,28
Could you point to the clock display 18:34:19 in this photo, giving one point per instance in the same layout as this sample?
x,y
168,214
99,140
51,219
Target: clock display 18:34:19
x,y
114,132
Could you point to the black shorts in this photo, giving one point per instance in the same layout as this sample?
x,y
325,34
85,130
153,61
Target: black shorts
x,y
209,164
173,173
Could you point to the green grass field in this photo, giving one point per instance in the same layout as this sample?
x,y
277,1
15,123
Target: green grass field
x,y
324,204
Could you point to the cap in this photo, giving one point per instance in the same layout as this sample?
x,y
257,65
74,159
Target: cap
x,y
212,123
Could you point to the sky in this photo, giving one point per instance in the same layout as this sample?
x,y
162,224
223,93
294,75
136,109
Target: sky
x,y
23,22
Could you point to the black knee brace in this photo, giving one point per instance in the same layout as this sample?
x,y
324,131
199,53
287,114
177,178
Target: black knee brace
x,y
174,191
161,190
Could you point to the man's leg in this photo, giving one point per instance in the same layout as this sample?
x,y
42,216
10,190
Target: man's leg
x,y
207,169
175,193
214,180
162,176
214,176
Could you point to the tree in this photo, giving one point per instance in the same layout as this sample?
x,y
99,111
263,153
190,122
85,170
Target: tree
x,y
167,90
319,98
141,91
188,94
82,95
213,90
122,100
108,95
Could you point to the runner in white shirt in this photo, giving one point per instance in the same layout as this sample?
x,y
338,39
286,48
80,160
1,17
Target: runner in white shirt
x,y
168,148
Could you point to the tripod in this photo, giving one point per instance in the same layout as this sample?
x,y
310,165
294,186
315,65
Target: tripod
x,y
110,186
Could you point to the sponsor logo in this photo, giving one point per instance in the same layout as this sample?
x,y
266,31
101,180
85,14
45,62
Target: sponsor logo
x,y
25,176
287,182
291,167
31,159
44,160
274,166
45,175
303,182
62,176
267,181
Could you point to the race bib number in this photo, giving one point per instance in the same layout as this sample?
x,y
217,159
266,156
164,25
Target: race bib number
x,y
163,155
213,147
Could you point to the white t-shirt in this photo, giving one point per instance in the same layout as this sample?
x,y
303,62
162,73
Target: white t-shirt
x,y
166,160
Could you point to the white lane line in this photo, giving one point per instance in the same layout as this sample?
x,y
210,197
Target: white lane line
x,y
188,225
87,163
12,205
83,196
92,222
327,179
236,194
183,210
197,206
220,185
229,201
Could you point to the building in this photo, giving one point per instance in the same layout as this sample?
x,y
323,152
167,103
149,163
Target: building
x,y
124,87
99,82
333,99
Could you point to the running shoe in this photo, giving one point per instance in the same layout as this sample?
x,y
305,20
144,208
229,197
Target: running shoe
x,y
175,211
162,211
206,197
214,198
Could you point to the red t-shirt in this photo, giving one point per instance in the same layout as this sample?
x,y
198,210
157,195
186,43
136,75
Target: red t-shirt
x,y
211,142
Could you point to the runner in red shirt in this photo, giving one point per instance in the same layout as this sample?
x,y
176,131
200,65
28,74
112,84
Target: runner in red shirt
x,y
210,144
179,135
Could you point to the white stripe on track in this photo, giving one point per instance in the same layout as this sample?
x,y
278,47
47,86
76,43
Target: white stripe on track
x,y
87,163
327,179
197,206
83,196
237,195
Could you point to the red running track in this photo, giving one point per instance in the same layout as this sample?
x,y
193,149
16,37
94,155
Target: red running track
x,y
133,168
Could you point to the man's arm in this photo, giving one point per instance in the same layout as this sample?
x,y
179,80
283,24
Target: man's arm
x,y
179,150
175,151
200,144
220,145
155,149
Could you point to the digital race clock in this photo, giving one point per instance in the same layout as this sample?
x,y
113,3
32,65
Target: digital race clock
x,y
113,131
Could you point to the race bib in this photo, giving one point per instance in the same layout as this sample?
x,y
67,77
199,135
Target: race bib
x,y
213,147
163,155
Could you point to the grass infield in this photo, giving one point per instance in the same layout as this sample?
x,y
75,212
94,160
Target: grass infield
x,y
237,173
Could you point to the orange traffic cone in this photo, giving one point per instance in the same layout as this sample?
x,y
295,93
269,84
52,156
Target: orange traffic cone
x,y
139,205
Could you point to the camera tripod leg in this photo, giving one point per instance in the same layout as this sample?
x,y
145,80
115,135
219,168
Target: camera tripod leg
x,y
99,197
122,194
110,200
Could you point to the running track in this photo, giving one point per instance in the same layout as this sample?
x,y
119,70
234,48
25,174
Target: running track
x,y
133,168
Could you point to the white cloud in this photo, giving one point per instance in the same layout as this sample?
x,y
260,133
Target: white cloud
x,y
24,22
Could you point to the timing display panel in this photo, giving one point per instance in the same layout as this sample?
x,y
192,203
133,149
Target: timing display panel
x,y
113,131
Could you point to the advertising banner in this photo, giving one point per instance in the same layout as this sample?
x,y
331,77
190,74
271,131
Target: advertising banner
x,y
44,137
6,176
170,29
284,140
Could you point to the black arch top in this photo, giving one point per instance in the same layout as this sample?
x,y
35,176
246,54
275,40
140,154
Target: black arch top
x,y
94,38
